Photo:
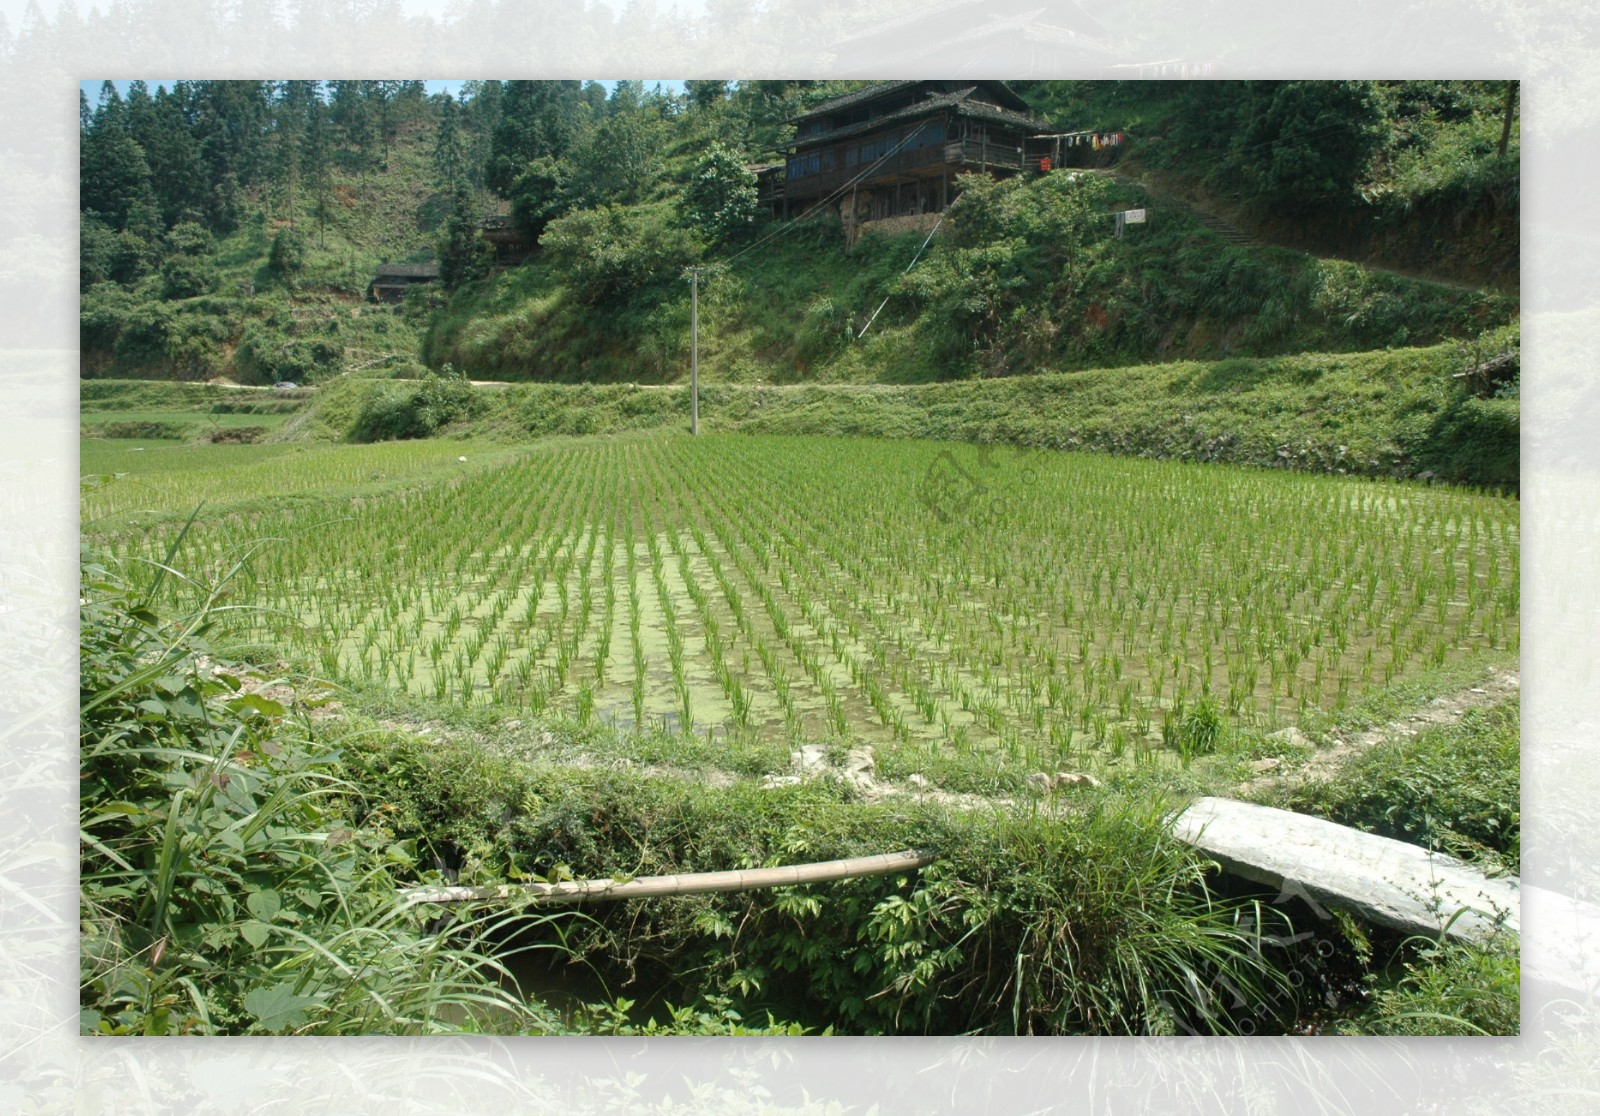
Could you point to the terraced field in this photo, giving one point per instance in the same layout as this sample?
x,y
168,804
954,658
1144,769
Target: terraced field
x,y
908,594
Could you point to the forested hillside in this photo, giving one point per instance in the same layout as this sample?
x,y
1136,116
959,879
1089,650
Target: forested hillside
x,y
1421,175
230,229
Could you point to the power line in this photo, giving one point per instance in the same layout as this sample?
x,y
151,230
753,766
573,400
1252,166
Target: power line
x,y
909,266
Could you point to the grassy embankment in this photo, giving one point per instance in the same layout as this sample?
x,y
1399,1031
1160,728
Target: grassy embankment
x,y
990,298
1387,413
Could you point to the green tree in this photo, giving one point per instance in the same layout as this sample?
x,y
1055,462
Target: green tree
x,y
721,197
608,253
318,161
287,257
463,254
1015,248
352,113
114,177
618,161
288,143
230,123
449,148
178,172
705,95
1313,142
540,195
187,271
536,118
482,102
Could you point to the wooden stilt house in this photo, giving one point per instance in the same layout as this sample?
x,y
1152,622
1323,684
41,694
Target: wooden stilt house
x,y
893,149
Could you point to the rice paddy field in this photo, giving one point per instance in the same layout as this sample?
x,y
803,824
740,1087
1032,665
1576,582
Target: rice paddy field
x,y
1025,609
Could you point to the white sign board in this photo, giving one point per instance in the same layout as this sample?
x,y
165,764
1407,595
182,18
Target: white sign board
x,y
1133,216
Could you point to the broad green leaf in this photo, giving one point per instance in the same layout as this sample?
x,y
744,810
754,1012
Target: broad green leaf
x,y
264,904
263,705
255,933
279,1008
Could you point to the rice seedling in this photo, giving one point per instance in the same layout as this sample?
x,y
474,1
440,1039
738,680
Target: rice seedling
x,y
800,587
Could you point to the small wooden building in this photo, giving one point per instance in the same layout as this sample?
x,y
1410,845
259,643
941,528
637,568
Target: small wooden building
x,y
894,148
511,245
393,280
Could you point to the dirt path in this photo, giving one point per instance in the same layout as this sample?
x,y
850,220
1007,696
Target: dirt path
x,y
1447,709
1232,233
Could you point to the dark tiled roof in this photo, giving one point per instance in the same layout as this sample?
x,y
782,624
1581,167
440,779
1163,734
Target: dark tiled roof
x,y
960,101
408,270
889,88
877,89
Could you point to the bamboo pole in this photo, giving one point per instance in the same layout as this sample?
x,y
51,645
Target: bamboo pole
x,y
693,883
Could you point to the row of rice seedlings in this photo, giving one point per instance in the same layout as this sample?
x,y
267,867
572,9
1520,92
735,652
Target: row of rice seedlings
x,y
809,591
1158,585
669,619
1211,601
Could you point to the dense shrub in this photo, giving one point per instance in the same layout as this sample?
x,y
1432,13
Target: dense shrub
x,y
288,256
608,252
230,881
1097,921
418,412
269,353
1455,787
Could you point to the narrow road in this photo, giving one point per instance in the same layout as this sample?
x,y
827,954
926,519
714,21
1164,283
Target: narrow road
x,y
1230,233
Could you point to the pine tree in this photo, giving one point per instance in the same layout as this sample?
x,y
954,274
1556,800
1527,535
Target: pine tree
x,y
538,118
318,160
481,103
114,177
463,253
449,148
288,142
352,112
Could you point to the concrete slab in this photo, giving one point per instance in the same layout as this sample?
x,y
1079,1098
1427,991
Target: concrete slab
x,y
1375,878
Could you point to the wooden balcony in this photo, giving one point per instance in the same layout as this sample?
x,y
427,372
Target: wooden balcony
x,y
955,157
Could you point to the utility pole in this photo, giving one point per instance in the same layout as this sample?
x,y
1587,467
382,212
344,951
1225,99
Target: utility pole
x,y
694,349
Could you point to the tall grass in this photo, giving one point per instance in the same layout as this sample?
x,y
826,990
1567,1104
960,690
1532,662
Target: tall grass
x,y
232,880
1093,921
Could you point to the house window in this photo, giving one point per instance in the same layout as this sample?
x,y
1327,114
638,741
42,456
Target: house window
x,y
808,163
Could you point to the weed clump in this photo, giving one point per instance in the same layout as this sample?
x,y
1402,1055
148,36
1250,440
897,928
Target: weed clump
x,y
230,882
